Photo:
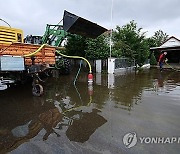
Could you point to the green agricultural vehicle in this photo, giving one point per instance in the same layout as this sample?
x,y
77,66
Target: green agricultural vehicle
x,y
36,54
72,24
56,34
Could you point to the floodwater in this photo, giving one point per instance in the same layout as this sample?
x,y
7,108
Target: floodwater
x,y
85,119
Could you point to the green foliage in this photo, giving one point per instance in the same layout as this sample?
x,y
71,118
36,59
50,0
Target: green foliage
x,y
156,40
76,45
151,42
159,37
130,42
153,60
86,47
97,48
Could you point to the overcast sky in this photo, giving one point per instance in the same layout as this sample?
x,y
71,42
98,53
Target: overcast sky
x,y
152,15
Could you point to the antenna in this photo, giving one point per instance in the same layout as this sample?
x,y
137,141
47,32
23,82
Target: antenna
x,y
111,28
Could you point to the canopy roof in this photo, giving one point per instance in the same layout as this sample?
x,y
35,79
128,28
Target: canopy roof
x,y
170,44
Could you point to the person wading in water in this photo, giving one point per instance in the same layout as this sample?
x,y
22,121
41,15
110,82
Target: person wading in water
x,y
162,60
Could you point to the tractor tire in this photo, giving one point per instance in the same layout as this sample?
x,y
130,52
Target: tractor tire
x,y
66,66
63,65
37,90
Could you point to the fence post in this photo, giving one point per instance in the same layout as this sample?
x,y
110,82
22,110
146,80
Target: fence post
x,y
111,65
98,66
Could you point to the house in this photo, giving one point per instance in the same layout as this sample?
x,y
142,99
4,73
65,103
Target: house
x,y
172,47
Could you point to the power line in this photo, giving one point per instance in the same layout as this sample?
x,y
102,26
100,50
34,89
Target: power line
x,y
5,22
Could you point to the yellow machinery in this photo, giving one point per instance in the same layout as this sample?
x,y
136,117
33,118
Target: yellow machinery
x,y
9,35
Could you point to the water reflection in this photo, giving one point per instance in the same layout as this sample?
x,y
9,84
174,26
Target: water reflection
x,y
126,89
83,128
75,110
81,125
3,87
5,83
57,108
165,82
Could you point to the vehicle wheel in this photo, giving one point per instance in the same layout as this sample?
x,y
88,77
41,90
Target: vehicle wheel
x,y
37,90
66,66
63,65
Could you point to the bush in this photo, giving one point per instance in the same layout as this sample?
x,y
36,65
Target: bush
x,y
153,60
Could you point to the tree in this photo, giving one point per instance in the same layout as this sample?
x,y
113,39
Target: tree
x,y
76,45
87,47
153,59
129,41
159,37
97,48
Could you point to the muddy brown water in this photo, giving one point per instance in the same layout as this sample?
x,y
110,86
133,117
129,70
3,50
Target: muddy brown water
x,y
85,119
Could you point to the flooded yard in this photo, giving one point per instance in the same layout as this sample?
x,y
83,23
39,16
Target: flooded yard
x,y
86,119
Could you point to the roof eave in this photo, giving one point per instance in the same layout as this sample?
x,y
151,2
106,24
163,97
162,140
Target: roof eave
x,y
160,48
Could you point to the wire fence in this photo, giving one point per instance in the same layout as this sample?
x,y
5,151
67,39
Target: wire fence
x,y
119,63
124,63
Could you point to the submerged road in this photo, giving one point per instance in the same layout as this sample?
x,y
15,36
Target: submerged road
x,y
125,113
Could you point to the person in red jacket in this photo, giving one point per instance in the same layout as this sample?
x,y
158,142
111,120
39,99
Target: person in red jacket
x,y
162,60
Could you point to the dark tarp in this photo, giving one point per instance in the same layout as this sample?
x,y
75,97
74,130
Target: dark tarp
x,y
77,25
